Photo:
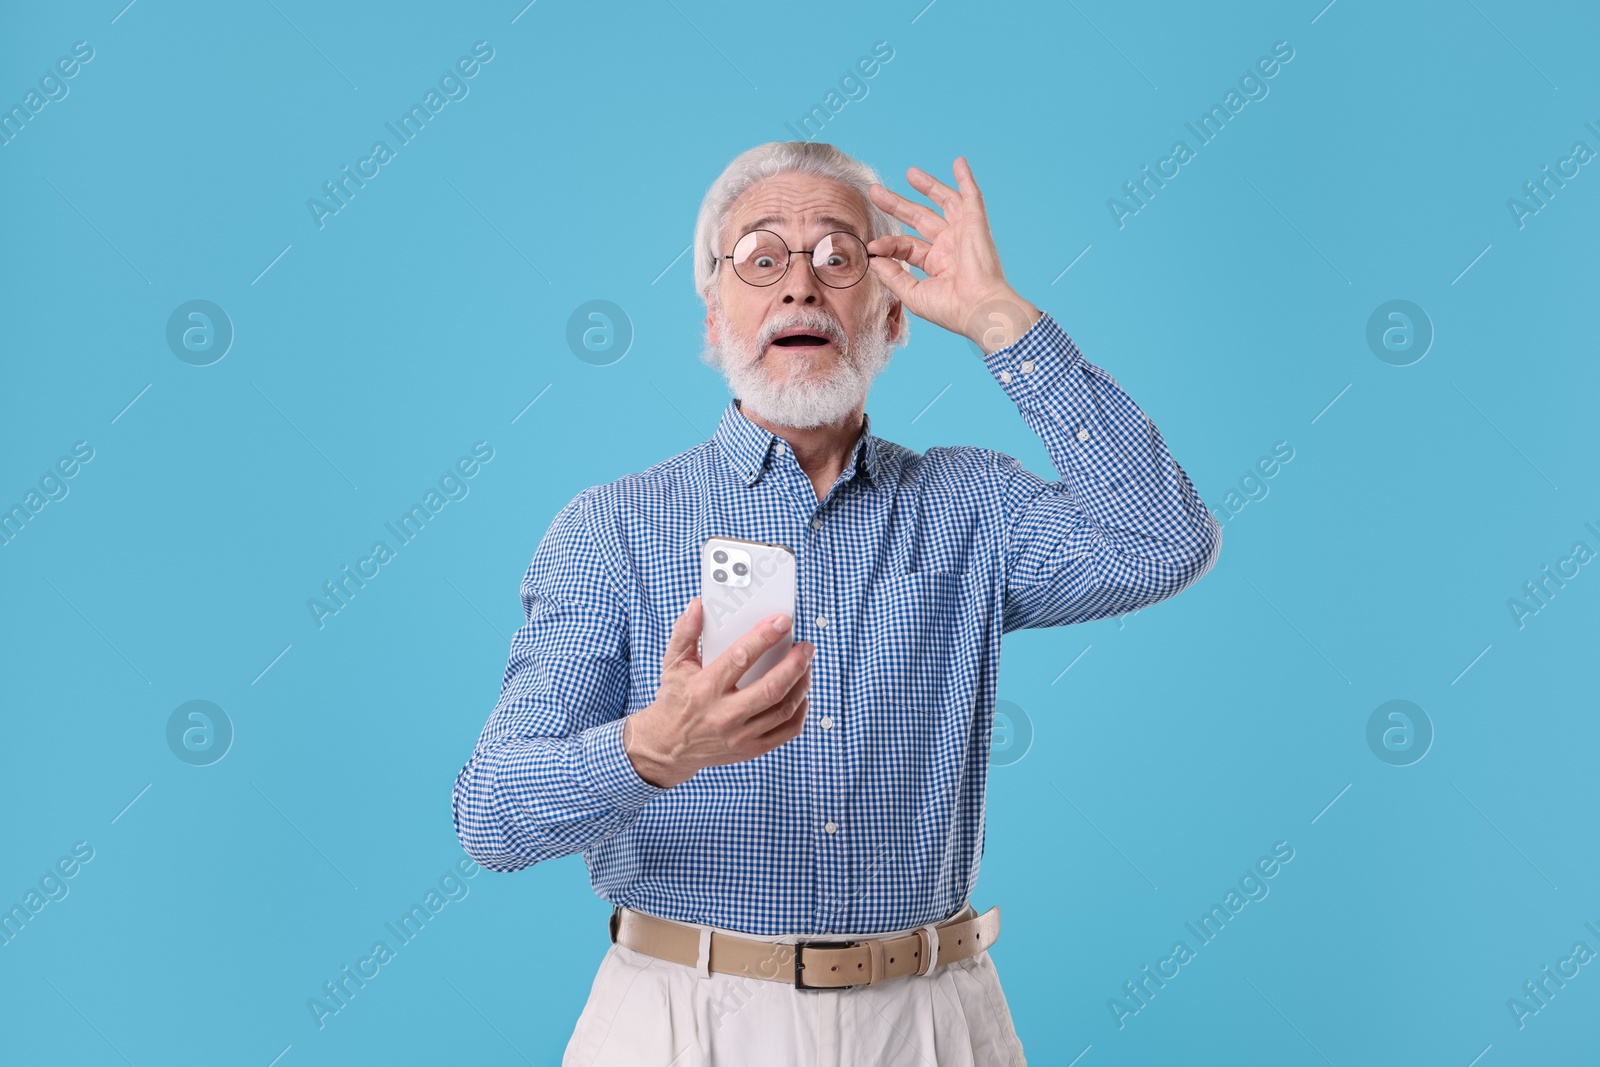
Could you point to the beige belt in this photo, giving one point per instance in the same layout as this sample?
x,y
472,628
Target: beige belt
x,y
818,964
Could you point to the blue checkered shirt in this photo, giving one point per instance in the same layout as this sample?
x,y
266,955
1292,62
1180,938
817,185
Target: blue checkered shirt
x,y
910,570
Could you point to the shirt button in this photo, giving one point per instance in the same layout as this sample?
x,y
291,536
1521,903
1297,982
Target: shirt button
x,y
1083,434
816,524
827,722
829,826
1005,377
1027,366
822,620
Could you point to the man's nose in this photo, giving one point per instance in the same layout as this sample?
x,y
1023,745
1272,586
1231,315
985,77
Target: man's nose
x,y
800,284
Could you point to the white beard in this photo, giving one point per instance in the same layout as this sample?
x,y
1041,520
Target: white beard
x,y
807,398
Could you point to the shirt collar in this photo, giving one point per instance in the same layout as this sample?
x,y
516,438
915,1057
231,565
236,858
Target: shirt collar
x,y
746,448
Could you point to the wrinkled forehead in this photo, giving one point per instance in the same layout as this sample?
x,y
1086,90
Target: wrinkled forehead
x,y
799,207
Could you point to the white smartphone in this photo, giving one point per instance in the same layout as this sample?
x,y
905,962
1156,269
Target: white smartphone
x,y
741,583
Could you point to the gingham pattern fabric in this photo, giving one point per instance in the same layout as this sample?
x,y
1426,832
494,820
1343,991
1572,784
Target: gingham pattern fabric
x,y
910,570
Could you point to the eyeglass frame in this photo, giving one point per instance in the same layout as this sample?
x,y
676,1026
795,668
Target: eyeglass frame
x,y
799,251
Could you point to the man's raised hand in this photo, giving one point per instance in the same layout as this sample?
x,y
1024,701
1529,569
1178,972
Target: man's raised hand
x,y
965,290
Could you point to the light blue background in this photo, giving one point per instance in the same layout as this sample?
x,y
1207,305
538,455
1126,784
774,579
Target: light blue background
x,y
1181,745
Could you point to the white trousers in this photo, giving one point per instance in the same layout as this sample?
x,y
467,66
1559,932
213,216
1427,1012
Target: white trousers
x,y
647,1012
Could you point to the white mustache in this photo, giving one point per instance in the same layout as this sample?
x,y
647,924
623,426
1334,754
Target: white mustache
x,y
822,324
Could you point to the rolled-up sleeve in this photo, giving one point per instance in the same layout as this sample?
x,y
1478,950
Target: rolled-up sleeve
x,y
548,776
1123,527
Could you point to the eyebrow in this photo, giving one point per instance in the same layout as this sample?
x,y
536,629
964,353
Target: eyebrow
x,y
830,220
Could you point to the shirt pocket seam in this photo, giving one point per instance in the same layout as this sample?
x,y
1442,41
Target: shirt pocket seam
x,y
924,662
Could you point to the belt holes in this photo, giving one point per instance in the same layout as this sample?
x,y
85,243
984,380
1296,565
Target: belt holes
x,y
891,959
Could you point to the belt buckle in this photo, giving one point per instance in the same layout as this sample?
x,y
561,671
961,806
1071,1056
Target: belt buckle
x,y
799,964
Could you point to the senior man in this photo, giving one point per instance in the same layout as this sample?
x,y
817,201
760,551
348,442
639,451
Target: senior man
x,y
790,863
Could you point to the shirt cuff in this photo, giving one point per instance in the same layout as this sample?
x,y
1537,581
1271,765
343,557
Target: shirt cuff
x,y
611,771
1034,362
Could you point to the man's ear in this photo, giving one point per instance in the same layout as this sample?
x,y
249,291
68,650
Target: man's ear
x,y
896,316
711,328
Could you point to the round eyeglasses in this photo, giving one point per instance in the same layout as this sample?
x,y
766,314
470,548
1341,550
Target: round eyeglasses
x,y
761,257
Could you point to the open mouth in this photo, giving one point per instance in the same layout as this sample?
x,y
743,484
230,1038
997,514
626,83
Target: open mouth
x,y
802,340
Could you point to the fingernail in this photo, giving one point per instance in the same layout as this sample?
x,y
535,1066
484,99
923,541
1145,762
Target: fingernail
x,y
781,624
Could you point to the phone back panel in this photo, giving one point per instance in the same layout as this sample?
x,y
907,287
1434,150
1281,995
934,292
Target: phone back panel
x,y
741,583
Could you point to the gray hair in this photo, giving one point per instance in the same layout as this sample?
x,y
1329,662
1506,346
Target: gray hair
x,y
766,161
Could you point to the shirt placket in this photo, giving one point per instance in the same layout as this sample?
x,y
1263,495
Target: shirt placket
x,y
816,606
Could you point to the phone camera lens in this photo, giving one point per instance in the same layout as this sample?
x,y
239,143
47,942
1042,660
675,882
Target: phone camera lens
x,y
720,575
740,569
720,556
